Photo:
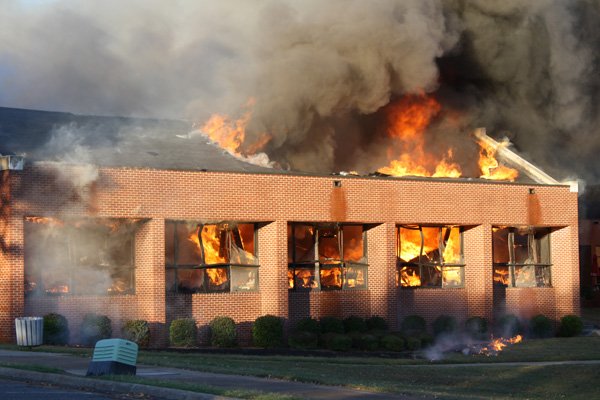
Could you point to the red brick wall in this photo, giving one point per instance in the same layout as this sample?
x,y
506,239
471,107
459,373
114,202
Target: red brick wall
x,y
273,201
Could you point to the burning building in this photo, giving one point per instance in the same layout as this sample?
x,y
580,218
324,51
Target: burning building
x,y
158,229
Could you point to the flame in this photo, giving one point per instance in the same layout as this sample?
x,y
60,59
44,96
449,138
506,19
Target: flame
x,y
501,276
409,277
211,244
306,279
490,168
231,134
45,221
408,119
497,345
217,276
331,277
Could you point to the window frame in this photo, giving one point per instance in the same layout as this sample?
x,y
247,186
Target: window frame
x,y
421,266
229,267
317,265
538,267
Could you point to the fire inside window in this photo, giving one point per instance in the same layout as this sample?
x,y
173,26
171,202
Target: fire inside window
x,y
80,257
429,256
521,256
205,258
326,256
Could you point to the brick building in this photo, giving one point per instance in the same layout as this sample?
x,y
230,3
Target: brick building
x,y
207,236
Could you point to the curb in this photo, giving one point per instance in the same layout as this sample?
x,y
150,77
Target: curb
x,y
103,386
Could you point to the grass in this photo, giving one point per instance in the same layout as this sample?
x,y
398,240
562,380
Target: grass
x,y
409,376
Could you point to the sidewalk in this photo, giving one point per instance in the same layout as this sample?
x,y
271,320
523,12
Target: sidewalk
x,y
76,368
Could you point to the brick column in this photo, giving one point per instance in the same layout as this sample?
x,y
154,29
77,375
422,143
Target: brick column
x,y
565,273
381,253
272,255
478,271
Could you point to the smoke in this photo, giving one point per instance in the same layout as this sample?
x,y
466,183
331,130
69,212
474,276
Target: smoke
x,y
320,72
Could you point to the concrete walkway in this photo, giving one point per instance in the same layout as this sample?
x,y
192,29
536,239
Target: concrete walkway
x,y
76,367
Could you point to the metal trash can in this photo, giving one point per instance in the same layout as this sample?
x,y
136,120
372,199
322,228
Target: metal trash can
x,y
113,357
30,331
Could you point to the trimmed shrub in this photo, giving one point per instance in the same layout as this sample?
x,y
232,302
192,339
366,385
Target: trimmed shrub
x,y
413,343
426,340
137,331
183,332
331,325
56,329
541,326
355,324
376,323
222,332
392,343
303,340
508,326
444,324
476,327
364,341
339,342
267,331
95,327
413,325
570,325
308,325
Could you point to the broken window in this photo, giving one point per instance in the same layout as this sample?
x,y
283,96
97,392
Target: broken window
x,y
521,256
429,256
206,258
82,257
326,256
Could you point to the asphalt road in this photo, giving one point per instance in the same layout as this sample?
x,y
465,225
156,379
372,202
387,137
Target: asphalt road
x,y
12,390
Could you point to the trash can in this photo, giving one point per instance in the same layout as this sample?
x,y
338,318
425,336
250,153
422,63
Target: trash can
x,y
113,357
30,331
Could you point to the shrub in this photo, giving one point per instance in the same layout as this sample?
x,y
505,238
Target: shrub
x,y
364,341
426,340
267,331
222,332
331,325
541,326
570,325
137,331
355,324
339,342
376,323
444,324
413,343
183,332
392,343
308,325
413,325
508,326
56,329
476,327
95,327
303,340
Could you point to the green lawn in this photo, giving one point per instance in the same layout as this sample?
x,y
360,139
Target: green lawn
x,y
419,376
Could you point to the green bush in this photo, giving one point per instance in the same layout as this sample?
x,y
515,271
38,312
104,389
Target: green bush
x,y
570,325
267,331
444,324
426,340
339,342
56,329
183,332
308,325
95,327
331,325
364,341
476,327
223,332
137,331
541,326
413,343
303,340
392,343
508,326
413,325
376,323
355,324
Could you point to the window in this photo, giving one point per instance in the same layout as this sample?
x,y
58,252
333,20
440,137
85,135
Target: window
x,y
326,256
91,256
204,258
521,256
429,256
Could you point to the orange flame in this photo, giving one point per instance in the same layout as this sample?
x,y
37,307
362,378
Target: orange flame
x,y
211,244
490,168
409,277
497,345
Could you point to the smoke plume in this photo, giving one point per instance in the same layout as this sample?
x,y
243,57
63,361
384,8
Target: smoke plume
x,y
321,72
